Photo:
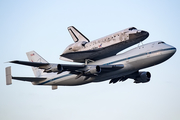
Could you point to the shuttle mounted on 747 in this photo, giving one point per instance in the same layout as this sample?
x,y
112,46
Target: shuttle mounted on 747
x,y
103,47
100,64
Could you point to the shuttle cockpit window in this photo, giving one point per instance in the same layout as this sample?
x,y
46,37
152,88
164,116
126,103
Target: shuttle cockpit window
x,y
161,42
132,28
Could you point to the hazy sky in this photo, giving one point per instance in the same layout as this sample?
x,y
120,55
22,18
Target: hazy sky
x,y
41,25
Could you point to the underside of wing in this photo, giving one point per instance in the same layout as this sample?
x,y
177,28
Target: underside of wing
x,y
80,56
29,79
138,76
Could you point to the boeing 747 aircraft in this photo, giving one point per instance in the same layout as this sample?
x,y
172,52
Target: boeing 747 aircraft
x,y
116,68
101,48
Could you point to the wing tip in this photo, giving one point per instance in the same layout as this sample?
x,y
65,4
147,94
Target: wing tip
x,y
13,61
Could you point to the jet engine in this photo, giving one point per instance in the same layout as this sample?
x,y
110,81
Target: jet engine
x,y
143,77
78,45
54,68
93,70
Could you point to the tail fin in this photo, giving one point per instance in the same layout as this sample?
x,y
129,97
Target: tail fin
x,y
34,57
8,76
76,35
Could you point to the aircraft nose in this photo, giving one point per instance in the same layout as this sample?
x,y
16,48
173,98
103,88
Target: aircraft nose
x,y
173,50
170,51
144,33
139,35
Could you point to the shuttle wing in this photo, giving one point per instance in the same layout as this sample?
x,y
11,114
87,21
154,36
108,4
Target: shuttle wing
x,y
76,35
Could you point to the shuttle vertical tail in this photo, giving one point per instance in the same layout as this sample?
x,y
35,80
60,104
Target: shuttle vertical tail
x,y
76,35
34,57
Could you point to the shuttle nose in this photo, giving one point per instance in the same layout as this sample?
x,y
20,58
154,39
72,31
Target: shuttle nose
x,y
140,35
145,33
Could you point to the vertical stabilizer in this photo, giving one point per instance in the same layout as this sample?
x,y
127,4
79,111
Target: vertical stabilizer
x,y
76,35
8,76
34,57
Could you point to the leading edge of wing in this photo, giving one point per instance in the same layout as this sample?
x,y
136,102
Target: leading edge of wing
x,y
68,67
48,65
34,64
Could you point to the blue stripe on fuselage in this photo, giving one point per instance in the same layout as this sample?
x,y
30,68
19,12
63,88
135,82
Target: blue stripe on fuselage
x,y
109,64
54,79
139,55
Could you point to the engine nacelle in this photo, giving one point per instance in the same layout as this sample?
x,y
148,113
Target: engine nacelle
x,y
92,70
54,68
143,77
78,45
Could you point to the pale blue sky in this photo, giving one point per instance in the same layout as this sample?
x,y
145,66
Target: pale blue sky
x,y
41,25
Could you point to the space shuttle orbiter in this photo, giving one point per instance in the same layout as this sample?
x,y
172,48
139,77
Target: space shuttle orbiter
x,y
107,46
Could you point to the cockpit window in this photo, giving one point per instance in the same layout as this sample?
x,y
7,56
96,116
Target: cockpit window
x,y
161,42
132,28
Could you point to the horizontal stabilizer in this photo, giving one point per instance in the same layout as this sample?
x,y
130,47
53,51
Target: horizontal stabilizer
x,y
29,79
9,77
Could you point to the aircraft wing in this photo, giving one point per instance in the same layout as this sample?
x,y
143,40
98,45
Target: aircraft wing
x,y
74,69
66,67
34,64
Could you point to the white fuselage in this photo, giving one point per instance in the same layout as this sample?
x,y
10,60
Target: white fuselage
x,y
133,60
